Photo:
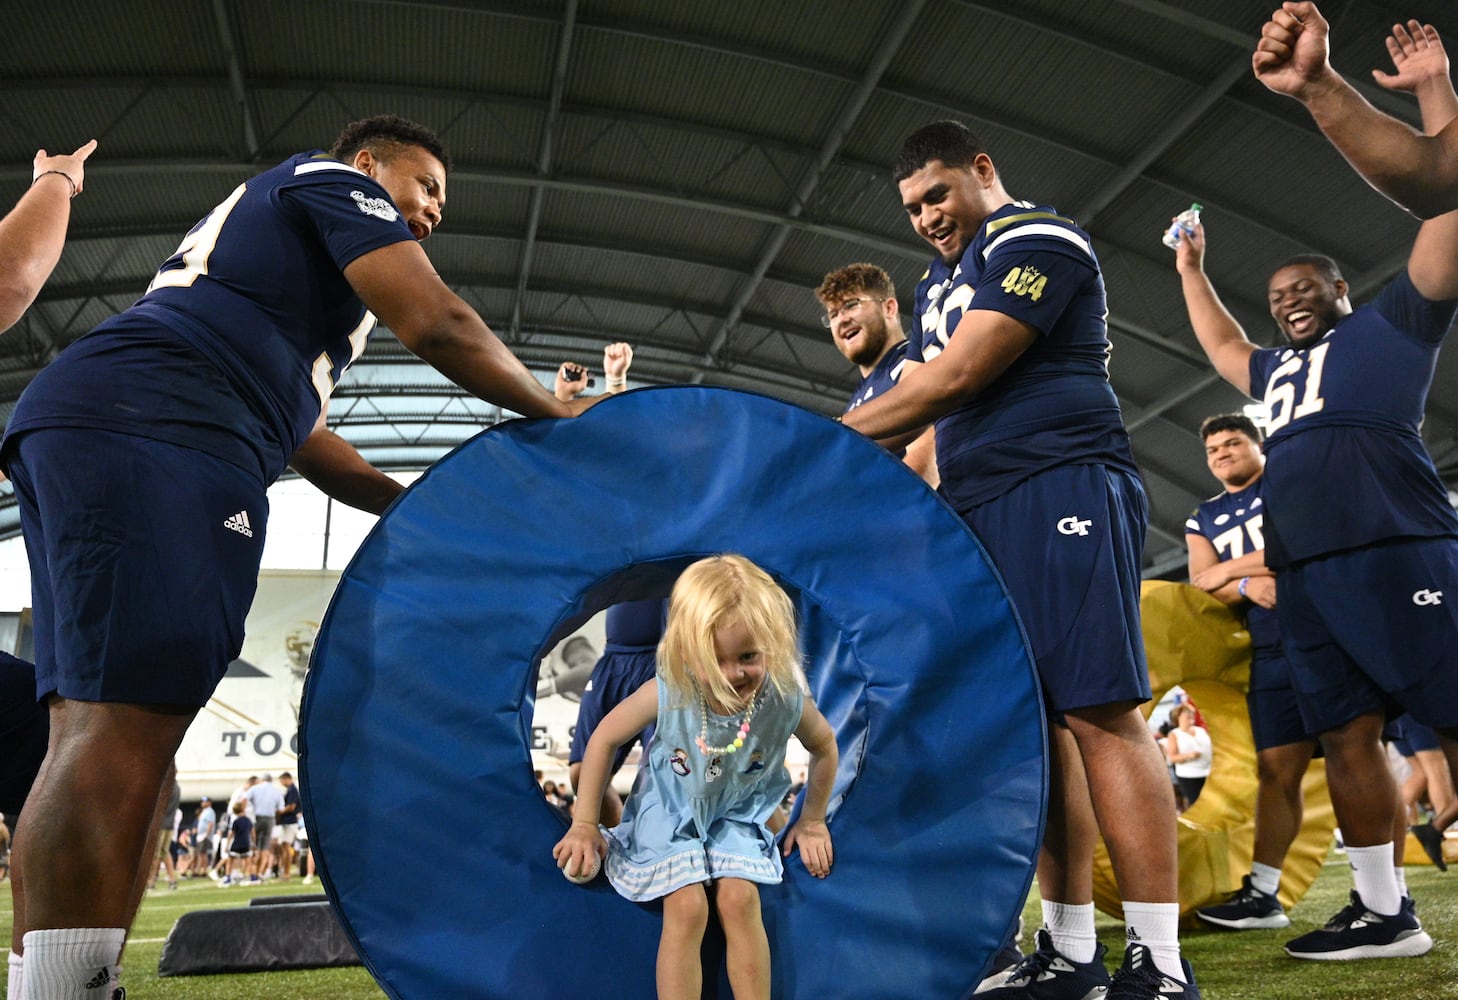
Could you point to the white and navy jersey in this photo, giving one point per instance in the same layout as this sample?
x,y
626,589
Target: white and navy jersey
x,y
1234,524
1346,465
1054,406
243,332
886,374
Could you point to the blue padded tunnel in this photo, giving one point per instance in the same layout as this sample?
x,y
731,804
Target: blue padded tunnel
x,y
435,842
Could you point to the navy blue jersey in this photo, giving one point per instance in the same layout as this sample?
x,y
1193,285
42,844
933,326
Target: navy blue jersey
x,y
1234,524
636,623
1346,464
1054,405
886,374
244,331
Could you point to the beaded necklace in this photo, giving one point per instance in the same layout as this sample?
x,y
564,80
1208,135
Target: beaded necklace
x,y
702,741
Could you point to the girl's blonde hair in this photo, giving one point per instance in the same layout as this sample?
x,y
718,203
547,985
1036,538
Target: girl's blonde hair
x,y
715,592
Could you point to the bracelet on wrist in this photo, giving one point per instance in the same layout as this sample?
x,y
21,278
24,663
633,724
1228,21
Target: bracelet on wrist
x,y
616,383
1244,582
62,173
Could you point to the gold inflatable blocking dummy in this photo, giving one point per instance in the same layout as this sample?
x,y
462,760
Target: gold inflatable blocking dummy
x,y
1193,640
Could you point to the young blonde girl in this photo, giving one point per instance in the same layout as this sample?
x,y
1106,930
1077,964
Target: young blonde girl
x,y
727,697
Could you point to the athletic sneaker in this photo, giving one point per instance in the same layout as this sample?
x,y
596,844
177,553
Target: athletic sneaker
x,y
1357,932
1432,842
1046,975
1245,909
1140,979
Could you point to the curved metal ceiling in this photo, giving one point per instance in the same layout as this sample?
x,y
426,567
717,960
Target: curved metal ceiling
x,y
680,176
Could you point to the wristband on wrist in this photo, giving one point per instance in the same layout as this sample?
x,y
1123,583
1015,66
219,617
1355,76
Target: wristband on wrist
x,y
62,173
1244,582
617,383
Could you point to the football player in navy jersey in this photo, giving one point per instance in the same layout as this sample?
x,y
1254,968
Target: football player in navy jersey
x,y
1226,540
1358,524
141,457
1008,359
864,320
1419,172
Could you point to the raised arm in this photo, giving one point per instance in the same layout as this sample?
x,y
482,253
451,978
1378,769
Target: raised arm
x,y
1221,337
34,231
1420,67
1418,172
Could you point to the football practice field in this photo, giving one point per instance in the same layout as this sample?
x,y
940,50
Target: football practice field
x,y
1246,965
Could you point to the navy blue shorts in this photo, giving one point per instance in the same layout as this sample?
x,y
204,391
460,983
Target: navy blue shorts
x,y
144,560
1275,711
1410,736
1374,629
619,672
1068,544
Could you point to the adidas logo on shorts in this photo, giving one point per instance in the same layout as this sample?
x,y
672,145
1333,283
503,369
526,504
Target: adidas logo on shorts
x,y
239,523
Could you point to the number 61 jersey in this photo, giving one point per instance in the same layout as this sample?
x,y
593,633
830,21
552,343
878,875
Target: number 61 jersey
x,y
1346,465
244,330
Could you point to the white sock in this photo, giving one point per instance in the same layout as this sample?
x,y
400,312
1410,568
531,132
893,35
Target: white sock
x,y
1265,878
1372,873
72,963
1071,925
1157,927
1401,874
15,978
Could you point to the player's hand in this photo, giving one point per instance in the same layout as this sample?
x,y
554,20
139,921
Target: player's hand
x,y
616,360
1262,590
1190,252
570,381
70,164
1418,57
813,839
1292,52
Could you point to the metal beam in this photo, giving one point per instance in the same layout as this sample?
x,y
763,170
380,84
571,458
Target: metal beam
x,y
886,49
544,163
228,35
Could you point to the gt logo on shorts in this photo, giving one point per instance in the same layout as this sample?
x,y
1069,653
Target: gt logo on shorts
x,y
1426,597
1072,525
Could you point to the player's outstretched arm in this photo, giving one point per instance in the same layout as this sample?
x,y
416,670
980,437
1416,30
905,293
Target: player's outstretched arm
x,y
34,231
398,284
1420,67
1221,337
1418,172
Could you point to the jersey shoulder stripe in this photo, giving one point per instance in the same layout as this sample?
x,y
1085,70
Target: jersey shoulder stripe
x,y
1030,228
315,166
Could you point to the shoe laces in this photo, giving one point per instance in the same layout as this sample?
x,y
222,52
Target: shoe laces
x,y
1347,914
1136,982
1033,965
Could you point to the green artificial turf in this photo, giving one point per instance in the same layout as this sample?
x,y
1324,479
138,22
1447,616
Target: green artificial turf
x,y
1243,965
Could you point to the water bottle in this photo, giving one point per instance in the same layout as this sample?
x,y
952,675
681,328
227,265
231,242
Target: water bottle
x,y
1185,222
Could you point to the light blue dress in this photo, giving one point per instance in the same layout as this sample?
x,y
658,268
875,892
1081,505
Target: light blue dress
x,y
692,817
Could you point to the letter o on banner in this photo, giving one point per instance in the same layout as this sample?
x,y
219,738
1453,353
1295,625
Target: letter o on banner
x,y
435,842
1195,641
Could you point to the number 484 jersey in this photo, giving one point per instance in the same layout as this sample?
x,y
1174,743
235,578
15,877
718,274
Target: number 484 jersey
x,y
244,330
1346,465
1054,405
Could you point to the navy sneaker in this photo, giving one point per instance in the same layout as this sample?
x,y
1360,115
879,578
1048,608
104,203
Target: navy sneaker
x,y
1140,979
1357,932
1432,842
1246,909
1046,975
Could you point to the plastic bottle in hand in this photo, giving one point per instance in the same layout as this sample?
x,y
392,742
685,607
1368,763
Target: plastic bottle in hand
x,y
1185,222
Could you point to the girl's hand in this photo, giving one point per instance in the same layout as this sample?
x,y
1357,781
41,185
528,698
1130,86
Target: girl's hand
x,y
582,848
813,839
